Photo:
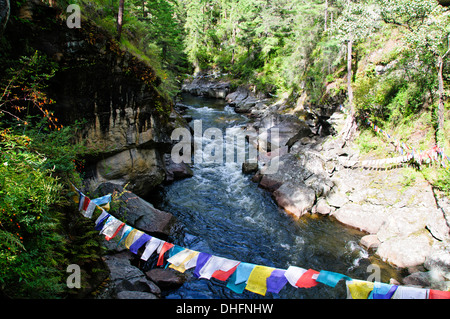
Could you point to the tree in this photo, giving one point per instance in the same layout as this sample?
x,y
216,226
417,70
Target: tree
x,y
120,19
356,22
428,24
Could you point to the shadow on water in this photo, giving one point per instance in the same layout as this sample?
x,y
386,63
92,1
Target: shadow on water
x,y
222,212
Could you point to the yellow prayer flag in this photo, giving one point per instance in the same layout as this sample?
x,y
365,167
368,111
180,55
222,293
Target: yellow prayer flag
x,y
257,281
106,206
182,267
129,240
359,289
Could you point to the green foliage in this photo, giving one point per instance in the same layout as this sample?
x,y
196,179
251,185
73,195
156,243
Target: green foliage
x,y
37,162
28,195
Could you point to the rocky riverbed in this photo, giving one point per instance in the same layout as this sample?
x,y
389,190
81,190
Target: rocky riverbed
x,y
407,223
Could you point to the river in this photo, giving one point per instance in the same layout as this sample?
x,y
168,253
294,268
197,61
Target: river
x,y
225,214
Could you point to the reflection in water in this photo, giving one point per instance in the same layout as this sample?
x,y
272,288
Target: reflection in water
x,y
225,214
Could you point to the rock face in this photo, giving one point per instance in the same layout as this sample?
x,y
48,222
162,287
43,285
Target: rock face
x,y
127,121
204,86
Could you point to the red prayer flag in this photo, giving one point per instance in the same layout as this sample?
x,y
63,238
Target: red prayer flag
x,y
164,248
224,275
306,280
437,294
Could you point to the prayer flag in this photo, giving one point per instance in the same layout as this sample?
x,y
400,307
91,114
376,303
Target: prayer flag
x,y
437,294
306,280
152,245
330,278
111,227
383,291
139,243
293,274
404,292
166,246
214,263
201,262
101,220
223,275
276,281
238,279
358,289
188,262
257,281
130,238
102,200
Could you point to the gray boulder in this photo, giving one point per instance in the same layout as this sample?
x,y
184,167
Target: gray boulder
x,y
127,281
136,212
166,278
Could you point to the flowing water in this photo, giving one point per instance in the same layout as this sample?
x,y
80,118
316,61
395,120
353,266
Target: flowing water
x,y
225,214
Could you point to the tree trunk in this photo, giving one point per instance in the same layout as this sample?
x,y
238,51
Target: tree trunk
x,y
349,77
326,15
120,19
440,110
5,9
350,123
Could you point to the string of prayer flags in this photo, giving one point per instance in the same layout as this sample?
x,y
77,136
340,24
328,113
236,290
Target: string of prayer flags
x,y
434,154
241,276
257,281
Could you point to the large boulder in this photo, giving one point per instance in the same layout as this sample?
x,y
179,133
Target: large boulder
x,y
128,281
207,87
166,278
141,169
136,212
296,199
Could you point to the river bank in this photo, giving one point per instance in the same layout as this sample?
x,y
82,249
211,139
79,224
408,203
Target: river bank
x,y
407,223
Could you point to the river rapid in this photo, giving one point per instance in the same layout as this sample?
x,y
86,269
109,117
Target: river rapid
x,y
225,214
